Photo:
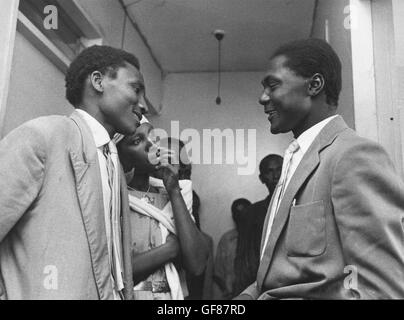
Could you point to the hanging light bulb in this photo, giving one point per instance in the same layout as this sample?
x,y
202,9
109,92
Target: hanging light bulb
x,y
219,35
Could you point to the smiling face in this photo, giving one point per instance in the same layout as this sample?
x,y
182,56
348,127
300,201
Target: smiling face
x,y
133,149
285,98
119,106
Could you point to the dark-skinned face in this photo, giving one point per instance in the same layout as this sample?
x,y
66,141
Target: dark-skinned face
x,y
271,173
119,108
134,149
285,98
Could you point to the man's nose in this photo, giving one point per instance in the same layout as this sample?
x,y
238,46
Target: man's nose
x,y
265,98
142,107
137,108
149,144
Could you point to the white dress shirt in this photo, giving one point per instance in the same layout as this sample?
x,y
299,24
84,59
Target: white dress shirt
x,y
305,140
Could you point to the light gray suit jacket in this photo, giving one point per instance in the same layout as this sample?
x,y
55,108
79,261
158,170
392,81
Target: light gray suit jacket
x,y
343,238
52,232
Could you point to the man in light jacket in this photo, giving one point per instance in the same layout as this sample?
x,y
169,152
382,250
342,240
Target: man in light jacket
x,y
334,228
63,201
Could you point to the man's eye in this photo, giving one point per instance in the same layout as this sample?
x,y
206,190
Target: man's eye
x,y
136,142
272,86
138,89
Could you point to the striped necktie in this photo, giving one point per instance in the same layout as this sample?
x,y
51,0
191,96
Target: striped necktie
x,y
115,242
280,188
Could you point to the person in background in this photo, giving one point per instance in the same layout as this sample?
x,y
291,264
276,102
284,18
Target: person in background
x,y
224,273
165,237
249,236
201,287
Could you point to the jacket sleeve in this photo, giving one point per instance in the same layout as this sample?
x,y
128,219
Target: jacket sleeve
x,y
22,165
251,291
368,200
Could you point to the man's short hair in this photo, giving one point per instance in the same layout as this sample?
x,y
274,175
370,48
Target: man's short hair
x,y
104,59
264,162
310,56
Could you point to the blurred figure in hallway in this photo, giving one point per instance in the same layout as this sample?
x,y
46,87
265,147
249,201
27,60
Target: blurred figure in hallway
x,y
201,287
252,221
224,276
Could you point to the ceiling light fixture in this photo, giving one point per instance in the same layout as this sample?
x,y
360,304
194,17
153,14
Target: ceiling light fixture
x,y
219,35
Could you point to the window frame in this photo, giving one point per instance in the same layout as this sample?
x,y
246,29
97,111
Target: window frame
x,y
92,35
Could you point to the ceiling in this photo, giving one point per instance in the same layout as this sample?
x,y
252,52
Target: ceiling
x,y
179,32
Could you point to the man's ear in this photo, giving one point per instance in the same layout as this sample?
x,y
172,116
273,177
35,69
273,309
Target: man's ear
x,y
316,84
96,81
262,179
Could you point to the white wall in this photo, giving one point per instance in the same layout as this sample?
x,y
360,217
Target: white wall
x,y
190,99
340,40
398,11
37,87
389,78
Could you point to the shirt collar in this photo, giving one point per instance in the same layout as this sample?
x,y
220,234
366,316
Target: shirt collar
x,y
100,134
308,136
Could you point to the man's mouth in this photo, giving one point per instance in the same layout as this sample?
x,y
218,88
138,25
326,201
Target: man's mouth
x,y
271,114
138,114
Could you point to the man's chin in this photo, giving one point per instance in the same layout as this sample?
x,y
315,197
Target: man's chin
x,y
274,129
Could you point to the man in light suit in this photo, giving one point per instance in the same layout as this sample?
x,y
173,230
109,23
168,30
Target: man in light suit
x,y
334,228
59,237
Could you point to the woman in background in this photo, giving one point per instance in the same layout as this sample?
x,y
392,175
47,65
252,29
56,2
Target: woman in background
x,y
165,237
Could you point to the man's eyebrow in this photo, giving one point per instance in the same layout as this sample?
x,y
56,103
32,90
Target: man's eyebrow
x,y
138,83
137,135
268,79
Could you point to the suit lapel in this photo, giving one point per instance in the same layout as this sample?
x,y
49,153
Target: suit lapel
x,y
126,240
264,229
84,160
307,165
